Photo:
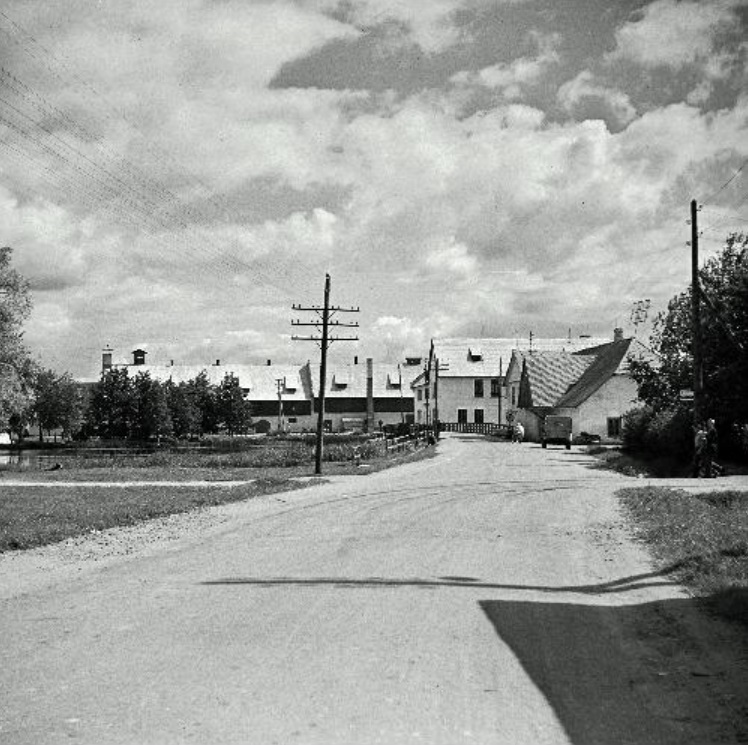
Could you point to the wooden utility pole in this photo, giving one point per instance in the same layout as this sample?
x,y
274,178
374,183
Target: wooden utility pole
x,y
501,375
696,347
323,324
280,384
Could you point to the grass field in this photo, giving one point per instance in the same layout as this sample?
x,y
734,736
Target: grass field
x,y
36,515
701,538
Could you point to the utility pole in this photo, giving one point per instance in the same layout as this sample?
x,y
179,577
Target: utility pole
x,y
280,383
323,325
696,348
501,375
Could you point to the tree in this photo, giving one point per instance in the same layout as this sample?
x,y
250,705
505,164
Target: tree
x,y
16,368
186,418
150,410
204,398
724,281
111,411
57,403
234,411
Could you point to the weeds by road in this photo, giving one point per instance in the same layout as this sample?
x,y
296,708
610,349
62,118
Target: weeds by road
x,y
702,538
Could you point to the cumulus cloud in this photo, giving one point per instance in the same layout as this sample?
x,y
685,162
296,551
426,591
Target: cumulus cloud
x,y
442,221
584,95
674,33
511,78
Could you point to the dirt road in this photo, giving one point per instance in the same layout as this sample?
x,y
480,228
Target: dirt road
x,y
490,595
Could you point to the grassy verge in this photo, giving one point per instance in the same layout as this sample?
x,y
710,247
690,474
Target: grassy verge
x,y
33,516
701,538
36,515
209,467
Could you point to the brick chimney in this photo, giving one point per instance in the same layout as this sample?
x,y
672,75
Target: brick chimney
x,y
618,334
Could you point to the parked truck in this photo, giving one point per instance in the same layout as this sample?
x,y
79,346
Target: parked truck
x,y
556,431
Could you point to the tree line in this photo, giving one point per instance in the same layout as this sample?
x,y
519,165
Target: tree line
x,y
664,424
118,405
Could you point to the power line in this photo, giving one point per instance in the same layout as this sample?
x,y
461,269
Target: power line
x,y
726,184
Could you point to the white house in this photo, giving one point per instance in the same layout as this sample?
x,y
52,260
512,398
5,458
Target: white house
x,y
463,380
592,386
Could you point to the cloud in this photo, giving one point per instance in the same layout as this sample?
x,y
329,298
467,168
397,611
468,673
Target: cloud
x,y
398,337
512,77
585,97
674,33
429,23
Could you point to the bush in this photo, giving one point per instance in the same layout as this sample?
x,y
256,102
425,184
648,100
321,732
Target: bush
x,y
635,425
664,433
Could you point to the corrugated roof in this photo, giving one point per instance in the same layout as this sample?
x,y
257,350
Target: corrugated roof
x,y
455,360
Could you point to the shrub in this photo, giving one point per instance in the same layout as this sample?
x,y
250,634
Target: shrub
x,y
635,426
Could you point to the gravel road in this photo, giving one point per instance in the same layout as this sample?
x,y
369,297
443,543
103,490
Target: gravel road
x,y
493,594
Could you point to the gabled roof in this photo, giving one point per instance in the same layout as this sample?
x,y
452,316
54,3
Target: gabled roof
x,y
607,360
551,374
468,357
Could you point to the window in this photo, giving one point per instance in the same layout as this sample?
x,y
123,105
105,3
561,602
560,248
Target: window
x,y
478,388
478,416
514,395
426,391
495,388
462,416
614,426
292,420
419,393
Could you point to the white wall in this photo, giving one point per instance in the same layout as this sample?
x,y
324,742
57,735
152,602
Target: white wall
x,y
459,393
613,399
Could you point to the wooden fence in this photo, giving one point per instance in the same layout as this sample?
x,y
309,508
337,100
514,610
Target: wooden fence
x,y
488,428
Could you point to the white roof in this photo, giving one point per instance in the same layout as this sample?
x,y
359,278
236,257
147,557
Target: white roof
x,y
458,356
260,380
355,375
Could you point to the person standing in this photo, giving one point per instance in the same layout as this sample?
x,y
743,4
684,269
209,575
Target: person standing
x,y
699,450
711,448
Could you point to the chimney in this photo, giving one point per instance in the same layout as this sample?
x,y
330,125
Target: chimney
x,y
270,362
369,394
218,363
138,357
618,334
106,359
355,360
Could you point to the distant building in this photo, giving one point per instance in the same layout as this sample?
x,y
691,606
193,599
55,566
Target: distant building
x,y
463,381
593,386
357,396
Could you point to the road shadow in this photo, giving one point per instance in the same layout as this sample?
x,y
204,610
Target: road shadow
x,y
623,584
628,674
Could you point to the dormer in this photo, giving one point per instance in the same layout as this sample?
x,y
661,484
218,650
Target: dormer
x,y
340,379
475,354
394,381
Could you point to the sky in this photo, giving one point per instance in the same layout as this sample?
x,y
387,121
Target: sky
x,y
175,176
